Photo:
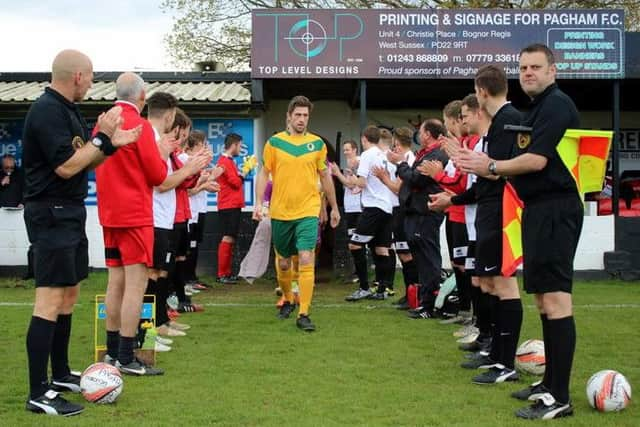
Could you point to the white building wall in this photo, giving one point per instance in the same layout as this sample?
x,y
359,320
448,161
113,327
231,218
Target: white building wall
x,y
597,237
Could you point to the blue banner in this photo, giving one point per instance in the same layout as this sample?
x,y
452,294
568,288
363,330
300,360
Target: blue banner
x,y
146,313
11,139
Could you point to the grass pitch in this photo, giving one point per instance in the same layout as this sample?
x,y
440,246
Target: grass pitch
x,y
367,364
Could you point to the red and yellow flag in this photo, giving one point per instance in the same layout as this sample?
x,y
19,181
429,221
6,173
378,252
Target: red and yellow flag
x,y
511,230
585,153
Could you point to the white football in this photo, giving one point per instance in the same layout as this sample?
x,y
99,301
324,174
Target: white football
x,y
608,391
101,383
530,357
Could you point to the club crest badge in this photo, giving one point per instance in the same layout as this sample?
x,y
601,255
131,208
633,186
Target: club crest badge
x,y
77,142
524,140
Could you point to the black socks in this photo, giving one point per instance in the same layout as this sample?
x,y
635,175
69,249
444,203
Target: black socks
x,y
510,315
563,339
409,272
60,347
391,269
548,350
463,283
39,342
125,352
113,344
360,262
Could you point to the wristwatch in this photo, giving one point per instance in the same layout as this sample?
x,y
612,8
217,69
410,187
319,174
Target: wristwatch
x,y
492,167
97,142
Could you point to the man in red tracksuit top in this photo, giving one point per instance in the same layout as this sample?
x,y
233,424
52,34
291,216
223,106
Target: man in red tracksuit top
x,y
230,204
125,183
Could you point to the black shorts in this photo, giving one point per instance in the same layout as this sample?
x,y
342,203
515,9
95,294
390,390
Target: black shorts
x,y
550,233
470,261
489,239
399,235
230,219
352,222
373,229
162,249
180,238
59,241
457,241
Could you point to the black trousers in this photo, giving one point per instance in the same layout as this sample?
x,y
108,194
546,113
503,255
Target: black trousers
x,y
423,236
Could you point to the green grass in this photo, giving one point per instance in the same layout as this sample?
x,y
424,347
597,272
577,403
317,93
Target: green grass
x,y
366,365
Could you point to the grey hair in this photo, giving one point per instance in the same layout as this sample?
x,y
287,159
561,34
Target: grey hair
x,y
129,86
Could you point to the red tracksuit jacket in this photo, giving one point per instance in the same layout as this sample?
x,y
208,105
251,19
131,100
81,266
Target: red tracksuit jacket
x,y
457,183
231,193
126,179
183,210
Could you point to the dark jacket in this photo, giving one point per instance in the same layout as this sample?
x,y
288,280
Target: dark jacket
x,y
416,188
12,195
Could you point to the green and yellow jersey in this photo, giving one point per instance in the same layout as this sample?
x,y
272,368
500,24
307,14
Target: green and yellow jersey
x,y
294,162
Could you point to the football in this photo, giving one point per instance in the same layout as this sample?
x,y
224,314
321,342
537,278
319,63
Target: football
x,y
530,357
101,383
608,391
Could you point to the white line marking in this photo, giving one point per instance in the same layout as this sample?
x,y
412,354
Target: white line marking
x,y
352,305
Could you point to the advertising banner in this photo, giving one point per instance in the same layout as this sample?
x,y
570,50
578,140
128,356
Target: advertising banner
x,y
431,43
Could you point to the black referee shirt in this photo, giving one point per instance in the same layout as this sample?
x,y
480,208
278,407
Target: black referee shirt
x,y
552,113
51,126
499,145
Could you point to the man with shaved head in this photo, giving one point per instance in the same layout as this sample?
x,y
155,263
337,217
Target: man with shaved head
x,y
58,153
126,180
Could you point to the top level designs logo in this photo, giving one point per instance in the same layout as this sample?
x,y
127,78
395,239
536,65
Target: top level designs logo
x,y
308,38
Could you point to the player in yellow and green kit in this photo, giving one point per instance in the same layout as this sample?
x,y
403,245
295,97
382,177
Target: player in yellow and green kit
x,y
296,160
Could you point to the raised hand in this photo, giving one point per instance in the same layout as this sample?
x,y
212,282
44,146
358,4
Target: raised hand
x,y
394,157
380,172
123,137
212,187
335,169
215,172
451,146
430,168
439,201
167,145
197,163
109,121
469,161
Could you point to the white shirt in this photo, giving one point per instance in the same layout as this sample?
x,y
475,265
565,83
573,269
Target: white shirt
x,y
375,194
164,204
391,168
410,158
470,210
352,196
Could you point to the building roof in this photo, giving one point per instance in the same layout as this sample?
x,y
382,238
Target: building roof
x,y
187,87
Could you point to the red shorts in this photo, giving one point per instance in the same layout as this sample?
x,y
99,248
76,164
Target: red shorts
x,y
128,246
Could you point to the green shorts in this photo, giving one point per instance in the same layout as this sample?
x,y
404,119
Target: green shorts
x,y
291,237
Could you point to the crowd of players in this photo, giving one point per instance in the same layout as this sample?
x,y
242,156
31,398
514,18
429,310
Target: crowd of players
x,y
395,203
459,176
